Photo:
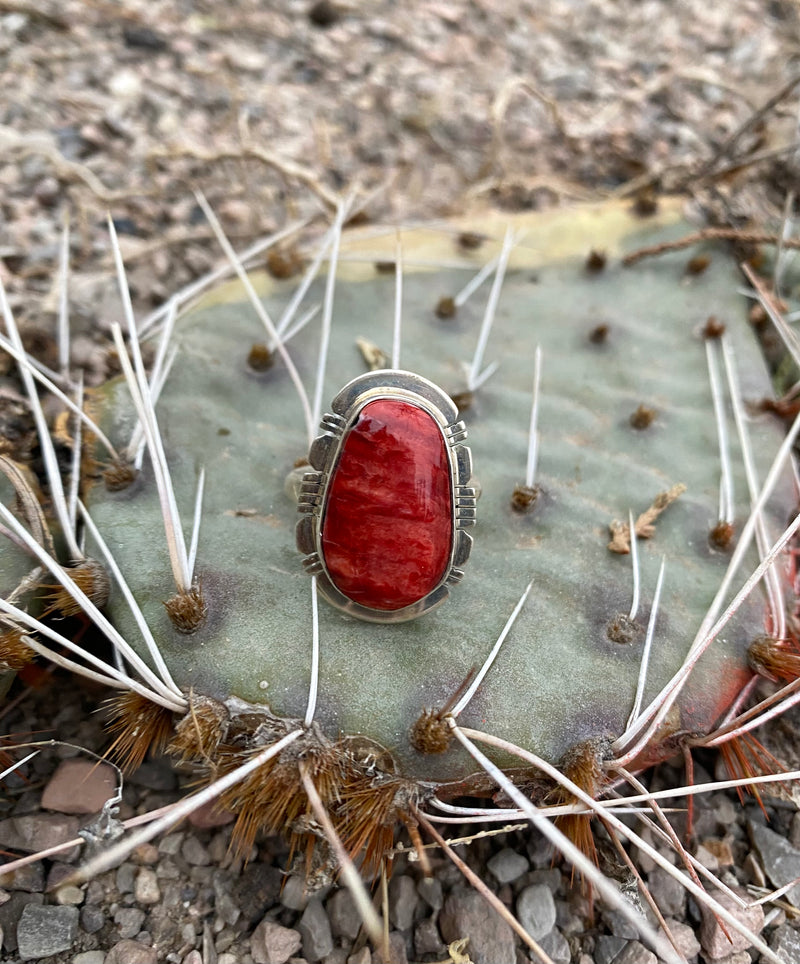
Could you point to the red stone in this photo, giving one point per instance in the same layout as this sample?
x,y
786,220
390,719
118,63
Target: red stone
x,y
387,531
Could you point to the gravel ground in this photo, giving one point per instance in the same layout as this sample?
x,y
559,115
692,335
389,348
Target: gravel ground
x,y
270,110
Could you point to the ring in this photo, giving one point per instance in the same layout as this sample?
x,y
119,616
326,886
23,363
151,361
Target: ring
x,y
385,511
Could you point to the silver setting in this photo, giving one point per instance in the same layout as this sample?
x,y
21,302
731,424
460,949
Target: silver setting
x,y
324,453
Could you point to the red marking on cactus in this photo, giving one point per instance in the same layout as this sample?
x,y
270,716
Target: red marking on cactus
x,y
387,531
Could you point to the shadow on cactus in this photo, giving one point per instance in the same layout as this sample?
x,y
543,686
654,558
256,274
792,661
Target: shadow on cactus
x,y
629,581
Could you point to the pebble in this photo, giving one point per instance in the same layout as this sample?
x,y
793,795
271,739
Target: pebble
x,y
635,953
154,775
194,853
427,939
667,892
171,844
40,831
620,926
780,860
315,931
146,889
70,894
684,936
90,957
343,915
397,950
713,940
92,919
145,853
557,946
29,877
271,943
508,865
403,900
126,878
131,952
536,910
80,787
786,942
466,914
129,921
294,894
210,815
607,947
44,930
430,890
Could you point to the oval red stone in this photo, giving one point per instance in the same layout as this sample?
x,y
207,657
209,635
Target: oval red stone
x,y
387,528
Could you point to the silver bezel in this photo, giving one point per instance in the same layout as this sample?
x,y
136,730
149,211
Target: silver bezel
x,y
324,453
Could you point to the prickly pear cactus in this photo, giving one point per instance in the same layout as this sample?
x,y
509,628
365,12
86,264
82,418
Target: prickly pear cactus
x,y
625,415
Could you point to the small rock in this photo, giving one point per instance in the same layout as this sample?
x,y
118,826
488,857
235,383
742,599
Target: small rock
x,y
129,921
171,844
508,865
193,957
145,853
620,926
712,938
29,877
607,948
780,860
92,919
226,907
131,952
79,786
536,910
90,957
272,944
430,890
466,914
294,894
364,956
59,872
397,950
44,930
403,901
40,831
147,890
125,85
343,915
69,895
427,939
635,953
667,892
211,815
126,878
556,946
154,775
708,859
315,931
684,937
194,853
142,37
786,942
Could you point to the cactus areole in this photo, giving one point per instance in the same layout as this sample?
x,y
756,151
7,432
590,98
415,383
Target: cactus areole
x,y
385,510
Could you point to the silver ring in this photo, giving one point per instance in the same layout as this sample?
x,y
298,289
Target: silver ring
x,y
385,511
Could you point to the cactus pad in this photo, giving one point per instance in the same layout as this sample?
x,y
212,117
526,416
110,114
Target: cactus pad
x,y
625,414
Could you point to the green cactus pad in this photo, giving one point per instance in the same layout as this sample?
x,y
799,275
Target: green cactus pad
x,y
610,342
